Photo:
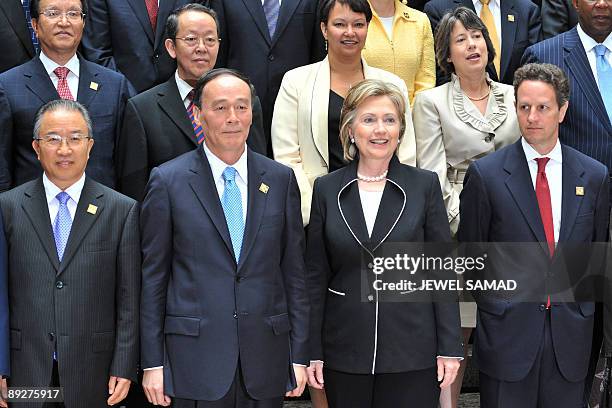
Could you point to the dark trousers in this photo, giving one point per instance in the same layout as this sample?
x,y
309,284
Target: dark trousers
x,y
55,382
394,390
236,397
543,387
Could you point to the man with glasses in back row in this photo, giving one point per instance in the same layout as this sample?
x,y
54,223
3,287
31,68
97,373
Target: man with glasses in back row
x,y
58,73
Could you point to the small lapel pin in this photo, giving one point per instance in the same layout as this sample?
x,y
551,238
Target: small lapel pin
x,y
92,209
264,188
511,18
94,86
406,15
579,190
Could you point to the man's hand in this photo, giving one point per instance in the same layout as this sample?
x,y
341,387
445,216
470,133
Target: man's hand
x,y
447,370
300,378
315,375
117,389
153,385
3,393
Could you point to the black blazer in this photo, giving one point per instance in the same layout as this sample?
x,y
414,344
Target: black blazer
x,y
343,327
17,45
246,44
156,128
520,25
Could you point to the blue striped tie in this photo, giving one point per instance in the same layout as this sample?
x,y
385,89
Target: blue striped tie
x,y
26,10
604,76
231,201
197,128
271,8
62,224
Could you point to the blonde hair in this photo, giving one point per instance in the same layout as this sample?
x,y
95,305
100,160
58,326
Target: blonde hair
x,y
356,96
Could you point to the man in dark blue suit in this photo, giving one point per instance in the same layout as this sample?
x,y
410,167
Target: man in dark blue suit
x,y
128,36
58,72
224,307
536,190
17,39
518,21
587,126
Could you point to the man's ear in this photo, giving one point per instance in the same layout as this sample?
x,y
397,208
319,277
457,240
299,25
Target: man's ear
x,y
170,47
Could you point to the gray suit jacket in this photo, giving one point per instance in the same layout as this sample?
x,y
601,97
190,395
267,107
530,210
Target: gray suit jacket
x,y
85,307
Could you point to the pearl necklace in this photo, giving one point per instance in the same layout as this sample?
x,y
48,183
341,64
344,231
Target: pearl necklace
x,y
373,179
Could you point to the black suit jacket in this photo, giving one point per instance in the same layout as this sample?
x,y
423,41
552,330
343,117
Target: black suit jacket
x,y
360,337
156,128
246,44
84,307
118,35
558,16
200,310
499,204
26,88
520,26
17,45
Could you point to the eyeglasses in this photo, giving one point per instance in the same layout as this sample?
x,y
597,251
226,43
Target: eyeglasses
x,y
192,41
591,2
75,140
71,15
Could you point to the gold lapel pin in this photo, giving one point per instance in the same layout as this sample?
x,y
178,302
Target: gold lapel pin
x,y
94,86
511,18
92,209
264,188
579,190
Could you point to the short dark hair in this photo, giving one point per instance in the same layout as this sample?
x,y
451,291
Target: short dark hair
x,y
172,21
35,12
61,105
547,73
358,6
470,21
214,74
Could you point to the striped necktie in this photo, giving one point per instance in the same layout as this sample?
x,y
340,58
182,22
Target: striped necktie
x,y
271,9
197,128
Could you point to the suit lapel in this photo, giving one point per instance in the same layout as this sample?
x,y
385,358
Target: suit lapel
x,y
319,106
256,10
83,220
521,188
16,18
508,34
143,16
169,101
165,7
350,207
578,64
286,11
570,202
37,81
37,210
204,188
88,87
256,205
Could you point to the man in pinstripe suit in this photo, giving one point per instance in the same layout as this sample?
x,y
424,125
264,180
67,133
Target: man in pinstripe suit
x,y
74,270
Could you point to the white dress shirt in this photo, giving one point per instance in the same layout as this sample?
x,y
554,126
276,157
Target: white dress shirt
x,y
589,47
184,88
554,175
73,76
218,166
495,8
51,191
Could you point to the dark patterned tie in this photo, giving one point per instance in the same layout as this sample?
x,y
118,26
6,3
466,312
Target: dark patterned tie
x,y
26,10
197,128
271,8
152,8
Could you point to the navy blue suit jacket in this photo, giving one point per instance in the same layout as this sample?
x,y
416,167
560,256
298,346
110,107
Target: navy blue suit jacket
x,y
499,204
520,25
16,42
586,126
200,311
118,35
26,88
4,309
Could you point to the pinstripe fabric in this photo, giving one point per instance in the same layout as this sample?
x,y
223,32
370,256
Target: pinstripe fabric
x,y
92,317
586,126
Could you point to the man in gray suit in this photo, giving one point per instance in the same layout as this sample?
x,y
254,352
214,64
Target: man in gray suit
x,y
74,270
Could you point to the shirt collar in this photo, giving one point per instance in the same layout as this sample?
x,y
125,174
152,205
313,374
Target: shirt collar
x,y
492,3
532,154
183,87
589,43
73,64
218,166
74,191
